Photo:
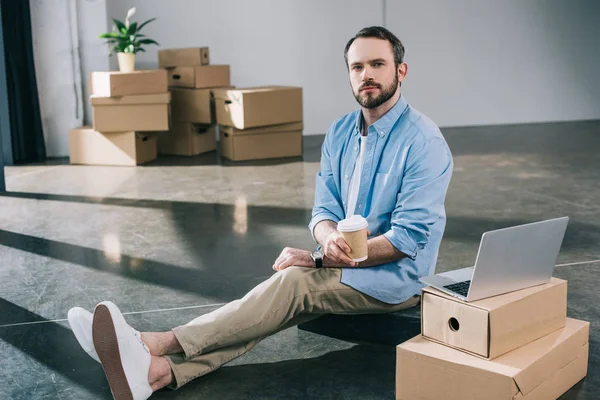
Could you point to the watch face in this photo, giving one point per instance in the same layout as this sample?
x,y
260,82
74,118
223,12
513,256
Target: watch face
x,y
317,254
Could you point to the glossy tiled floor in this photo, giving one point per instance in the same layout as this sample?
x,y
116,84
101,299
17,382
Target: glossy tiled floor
x,y
179,237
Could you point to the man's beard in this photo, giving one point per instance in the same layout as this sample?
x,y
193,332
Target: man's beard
x,y
371,102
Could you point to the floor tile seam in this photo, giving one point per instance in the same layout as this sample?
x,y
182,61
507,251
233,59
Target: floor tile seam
x,y
215,304
125,313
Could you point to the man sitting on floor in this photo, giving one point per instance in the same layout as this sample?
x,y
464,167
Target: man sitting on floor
x,y
386,162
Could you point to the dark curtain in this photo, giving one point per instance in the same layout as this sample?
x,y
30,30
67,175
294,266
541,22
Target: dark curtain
x,y
24,109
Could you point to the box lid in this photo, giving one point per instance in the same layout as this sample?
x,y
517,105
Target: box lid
x,y
528,366
232,94
536,362
495,302
156,98
291,127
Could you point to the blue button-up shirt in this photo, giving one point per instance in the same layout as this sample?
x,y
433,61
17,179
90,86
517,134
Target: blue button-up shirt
x,y
405,175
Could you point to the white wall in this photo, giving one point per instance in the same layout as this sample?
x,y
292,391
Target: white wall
x,y
474,62
91,22
471,62
66,50
266,42
57,72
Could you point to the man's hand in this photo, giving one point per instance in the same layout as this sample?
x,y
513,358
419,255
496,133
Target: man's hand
x,y
293,257
336,249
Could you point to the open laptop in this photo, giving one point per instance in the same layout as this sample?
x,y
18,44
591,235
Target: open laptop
x,y
508,259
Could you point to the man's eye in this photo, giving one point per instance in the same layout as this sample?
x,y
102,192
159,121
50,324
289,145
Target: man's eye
x,y
377,64
357,67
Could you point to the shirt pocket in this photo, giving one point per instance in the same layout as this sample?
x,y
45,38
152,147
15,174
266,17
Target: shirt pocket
x,y
385,192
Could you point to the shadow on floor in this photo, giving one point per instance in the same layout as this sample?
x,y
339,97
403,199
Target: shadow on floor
x,y
361,372
50,344
579,235
218,283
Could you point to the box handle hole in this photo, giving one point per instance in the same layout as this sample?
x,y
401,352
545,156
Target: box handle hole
x,y
454,325
227,101
176,76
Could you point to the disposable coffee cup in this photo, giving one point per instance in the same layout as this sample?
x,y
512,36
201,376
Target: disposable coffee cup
x,y
354,232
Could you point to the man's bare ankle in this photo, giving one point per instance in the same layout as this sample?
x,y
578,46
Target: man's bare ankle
x,y
161,343
160,374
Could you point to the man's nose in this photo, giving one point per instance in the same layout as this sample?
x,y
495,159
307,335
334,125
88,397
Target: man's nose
x,y
367,74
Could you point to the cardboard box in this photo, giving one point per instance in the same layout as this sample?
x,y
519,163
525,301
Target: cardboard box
x,y
185,57
543,369
261,106
113,84
186,139
87,146
207,76
490,327
192,105
144,112
259,143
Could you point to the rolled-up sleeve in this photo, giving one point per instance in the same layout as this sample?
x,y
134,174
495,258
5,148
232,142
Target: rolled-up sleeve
x,y
327,195
420,202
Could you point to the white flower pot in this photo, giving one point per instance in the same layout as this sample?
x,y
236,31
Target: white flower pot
x,y
126,62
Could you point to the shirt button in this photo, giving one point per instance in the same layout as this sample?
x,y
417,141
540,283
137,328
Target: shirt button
x,y
346,176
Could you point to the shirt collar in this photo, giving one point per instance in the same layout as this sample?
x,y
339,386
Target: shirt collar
x,y
384,124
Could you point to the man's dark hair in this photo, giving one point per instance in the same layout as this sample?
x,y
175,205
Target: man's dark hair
x,y
379,32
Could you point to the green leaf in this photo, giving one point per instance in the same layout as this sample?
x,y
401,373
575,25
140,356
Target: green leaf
x,y
147,41
120,26
132,28
140,49
110,35
144,24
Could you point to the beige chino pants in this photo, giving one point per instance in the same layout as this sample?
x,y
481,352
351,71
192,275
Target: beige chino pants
x,y
289,297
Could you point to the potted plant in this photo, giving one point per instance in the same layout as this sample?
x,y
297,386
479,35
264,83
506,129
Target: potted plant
x,y
126,40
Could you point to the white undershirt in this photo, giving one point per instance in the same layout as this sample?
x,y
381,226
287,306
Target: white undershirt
x,y
355,182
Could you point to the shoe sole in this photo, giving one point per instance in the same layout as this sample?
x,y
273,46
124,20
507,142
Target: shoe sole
x,y
107,348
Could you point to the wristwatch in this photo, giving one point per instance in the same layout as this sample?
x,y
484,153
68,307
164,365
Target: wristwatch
x,y
317,257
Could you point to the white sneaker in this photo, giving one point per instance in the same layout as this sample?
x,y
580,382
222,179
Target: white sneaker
x,y
80,321
124,357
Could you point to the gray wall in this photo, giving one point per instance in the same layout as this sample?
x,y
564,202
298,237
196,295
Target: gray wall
x,y
280,42
471,62
480,62
66,50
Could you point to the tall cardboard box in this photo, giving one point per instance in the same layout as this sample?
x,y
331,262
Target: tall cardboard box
x,y
206,76
259,143
260,106
87,146
114,84
543,369
192,105
491,327
184,57
186,139
144,112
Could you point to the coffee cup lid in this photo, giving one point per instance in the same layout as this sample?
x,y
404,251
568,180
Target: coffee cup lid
x,y
353,223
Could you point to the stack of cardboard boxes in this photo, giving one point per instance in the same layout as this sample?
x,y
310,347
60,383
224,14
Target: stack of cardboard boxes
x,y
260,122
191,80
127,108
184,101
519,345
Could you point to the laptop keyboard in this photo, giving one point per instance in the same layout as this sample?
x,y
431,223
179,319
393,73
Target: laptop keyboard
x,y
461,288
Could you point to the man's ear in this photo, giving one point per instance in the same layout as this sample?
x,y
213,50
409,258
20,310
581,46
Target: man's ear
x,y
402,71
